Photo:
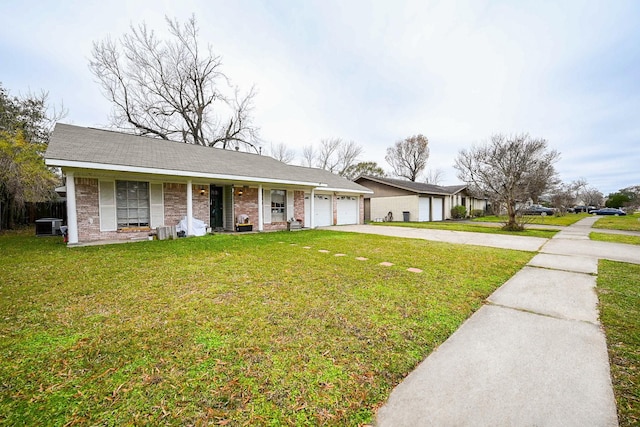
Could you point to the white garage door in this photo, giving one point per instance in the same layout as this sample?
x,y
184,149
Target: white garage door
x,y
424,209
437,208
323,214
347,210
307,210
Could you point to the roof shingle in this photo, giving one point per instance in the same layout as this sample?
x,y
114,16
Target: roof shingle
x,y
102,148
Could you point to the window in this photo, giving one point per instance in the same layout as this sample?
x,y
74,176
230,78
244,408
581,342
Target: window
x,y
132,203
278,205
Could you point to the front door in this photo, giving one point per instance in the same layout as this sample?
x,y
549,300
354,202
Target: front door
x,y
215,204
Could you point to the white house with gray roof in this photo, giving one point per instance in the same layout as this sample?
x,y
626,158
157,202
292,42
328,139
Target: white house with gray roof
x,y
123,186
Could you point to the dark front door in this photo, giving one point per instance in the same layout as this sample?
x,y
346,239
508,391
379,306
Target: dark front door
x,y
215,204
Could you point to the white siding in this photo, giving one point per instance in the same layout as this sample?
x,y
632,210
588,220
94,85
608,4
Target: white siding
x,y
107,201
227,204
381,206
266,203
290,210
156,204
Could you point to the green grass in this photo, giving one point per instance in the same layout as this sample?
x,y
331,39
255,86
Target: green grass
x,y
227,329
466,226
619,297
615,238
627,223
563,220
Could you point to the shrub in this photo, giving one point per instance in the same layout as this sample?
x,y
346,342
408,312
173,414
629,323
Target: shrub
x,y
477,213
458,212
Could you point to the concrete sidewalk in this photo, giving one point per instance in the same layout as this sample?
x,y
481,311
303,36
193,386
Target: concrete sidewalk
x,y
503,241
534,355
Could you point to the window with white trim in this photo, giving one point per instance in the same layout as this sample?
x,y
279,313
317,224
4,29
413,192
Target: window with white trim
x,y
132,203
278,205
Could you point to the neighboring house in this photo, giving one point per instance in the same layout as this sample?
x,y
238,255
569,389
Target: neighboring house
x,y
122,186
424,202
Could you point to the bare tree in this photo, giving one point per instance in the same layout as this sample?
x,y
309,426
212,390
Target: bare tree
x,y
591,196
434,176
504,168
172,89
408,157
282,153
562,196
336,155
327,155
308,155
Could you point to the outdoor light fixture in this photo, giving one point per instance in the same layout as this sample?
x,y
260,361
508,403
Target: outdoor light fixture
x,y
202,191
240,192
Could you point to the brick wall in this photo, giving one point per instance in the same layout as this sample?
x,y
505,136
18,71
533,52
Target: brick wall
x,y
87,209
200,203
246,204
175,208
298,206
175,203
88,213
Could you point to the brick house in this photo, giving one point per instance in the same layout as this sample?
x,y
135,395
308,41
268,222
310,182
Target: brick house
x,y
122,186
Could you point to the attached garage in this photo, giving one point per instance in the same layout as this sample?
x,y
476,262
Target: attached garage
x,y
438,209
347,209
323,214
424,209
424,202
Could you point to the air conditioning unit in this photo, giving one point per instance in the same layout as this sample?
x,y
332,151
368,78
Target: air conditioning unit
x,y
48,227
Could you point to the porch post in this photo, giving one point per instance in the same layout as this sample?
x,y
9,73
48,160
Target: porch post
x,y
312,206
72,215
189,209
260,209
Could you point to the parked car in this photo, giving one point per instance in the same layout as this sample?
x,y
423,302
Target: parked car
x,y
608,211
538,210
582,208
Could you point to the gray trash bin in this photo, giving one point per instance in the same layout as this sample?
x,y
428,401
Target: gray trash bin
x,y
405,216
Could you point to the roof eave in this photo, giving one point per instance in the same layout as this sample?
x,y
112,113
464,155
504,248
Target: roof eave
x,y
402,187
171,172
345,190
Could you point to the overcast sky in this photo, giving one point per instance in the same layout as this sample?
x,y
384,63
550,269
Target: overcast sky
x,y
378,71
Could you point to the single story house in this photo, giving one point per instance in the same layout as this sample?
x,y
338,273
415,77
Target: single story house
x,y
121,186
423,202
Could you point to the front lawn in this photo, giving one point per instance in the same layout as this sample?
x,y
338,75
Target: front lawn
x,y
259,329
467,226
563,220
628,222
615,238
620,314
